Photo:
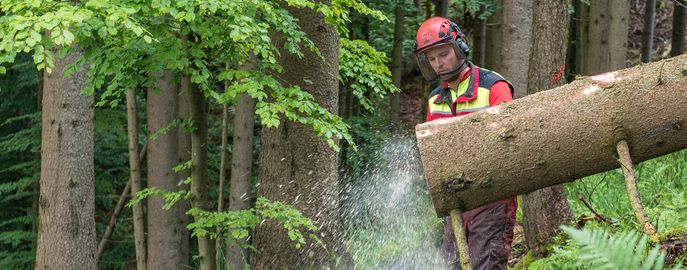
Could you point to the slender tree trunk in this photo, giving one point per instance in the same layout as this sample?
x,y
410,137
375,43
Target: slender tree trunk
x,y
441,8
648,33
516,31
135,179
200,185
607,36
479,46
546,209
241,164
184,155
397,61
297,167
492,56
581,37
677,43
222,170
163,238
36,186
66,233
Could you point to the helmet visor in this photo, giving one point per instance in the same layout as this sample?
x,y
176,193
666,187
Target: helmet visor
x,y
425,65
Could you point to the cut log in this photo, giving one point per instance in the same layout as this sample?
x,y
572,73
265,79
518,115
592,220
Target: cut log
x,y
555,136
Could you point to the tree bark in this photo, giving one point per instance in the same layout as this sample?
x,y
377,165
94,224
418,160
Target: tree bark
x,y
546,209
648,33
555,136
677,42
241,168
441,8
184,155
516,31
222,171
135,179
163,238
479,46
397,61
66,233
608,28
492,57
200,185
297,167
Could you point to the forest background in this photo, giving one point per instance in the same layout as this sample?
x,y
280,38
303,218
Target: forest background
x,y
231,128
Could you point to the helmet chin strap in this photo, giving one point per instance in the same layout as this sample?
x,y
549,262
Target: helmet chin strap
x,y
453,74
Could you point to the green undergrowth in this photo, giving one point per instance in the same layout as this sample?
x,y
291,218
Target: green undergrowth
x,y
662,183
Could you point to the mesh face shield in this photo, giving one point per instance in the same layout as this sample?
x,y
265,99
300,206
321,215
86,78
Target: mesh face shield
x,y
426,67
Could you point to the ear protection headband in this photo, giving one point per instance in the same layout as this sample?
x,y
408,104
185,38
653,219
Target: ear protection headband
x,y
460,39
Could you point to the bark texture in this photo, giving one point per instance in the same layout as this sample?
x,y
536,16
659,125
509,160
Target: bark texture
x,y
163,237
135,179
546,209
555,136
516,32
66,232
200,184
677,42
441,8
492,58
648,32
241,165
608,26
297,167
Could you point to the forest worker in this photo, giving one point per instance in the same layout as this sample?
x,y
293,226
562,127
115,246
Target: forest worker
x,y
441,51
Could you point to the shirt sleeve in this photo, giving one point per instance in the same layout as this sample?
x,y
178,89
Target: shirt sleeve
x,y
499,93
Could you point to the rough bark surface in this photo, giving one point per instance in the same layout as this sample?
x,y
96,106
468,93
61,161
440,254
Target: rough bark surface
x,y
241,165
608,26
200,184
677,42
135,179
648,32
492,58
66,233
516,28
479,44
163,237
546,209
297,167
555,136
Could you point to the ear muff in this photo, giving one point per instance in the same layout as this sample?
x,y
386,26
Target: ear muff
x,y
460,40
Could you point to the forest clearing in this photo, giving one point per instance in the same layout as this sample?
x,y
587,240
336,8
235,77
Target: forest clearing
x,y
343,134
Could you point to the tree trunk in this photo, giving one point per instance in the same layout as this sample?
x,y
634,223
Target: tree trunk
x,y
184,155
555,136
479,46
135,179
241,165
608,28
297,167
441,8
219,241
648,33
163,238
492,57
516,30
546,209
677,43
581,38
397,61
200,185
66,233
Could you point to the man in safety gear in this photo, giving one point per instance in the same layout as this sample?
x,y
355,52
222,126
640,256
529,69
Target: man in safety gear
x,y
441,51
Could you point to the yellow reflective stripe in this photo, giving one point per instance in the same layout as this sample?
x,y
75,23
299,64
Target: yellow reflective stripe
x,y
481,102
438,108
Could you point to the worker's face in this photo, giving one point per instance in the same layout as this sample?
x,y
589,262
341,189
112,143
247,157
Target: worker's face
x,y
443,58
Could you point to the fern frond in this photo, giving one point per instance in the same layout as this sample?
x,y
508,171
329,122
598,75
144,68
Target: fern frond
x,y
601,250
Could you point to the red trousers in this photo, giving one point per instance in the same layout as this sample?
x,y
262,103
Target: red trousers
x,y
489,231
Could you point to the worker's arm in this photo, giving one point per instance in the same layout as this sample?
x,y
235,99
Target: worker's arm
x,y
499,93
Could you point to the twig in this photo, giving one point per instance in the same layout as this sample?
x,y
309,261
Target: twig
x,y
632,192
461,241
117,210
591,208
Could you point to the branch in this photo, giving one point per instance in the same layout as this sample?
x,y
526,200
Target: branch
x,y
461,241
591,208
632,192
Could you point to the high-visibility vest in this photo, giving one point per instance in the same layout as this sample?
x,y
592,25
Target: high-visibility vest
x,y
471,95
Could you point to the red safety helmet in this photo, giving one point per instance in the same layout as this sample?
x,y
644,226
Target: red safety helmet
x,y
434,32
